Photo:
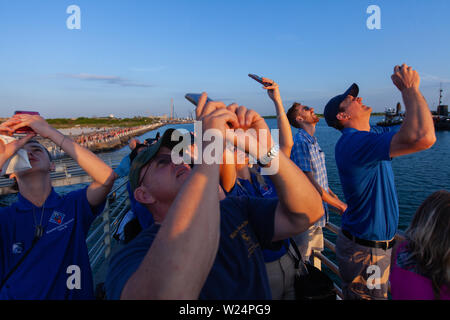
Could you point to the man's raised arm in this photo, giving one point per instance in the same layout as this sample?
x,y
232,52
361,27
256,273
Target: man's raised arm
x,y
300,204
99,171
417,130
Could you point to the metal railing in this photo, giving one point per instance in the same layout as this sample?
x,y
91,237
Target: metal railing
x,y
100,240
100,236
67,172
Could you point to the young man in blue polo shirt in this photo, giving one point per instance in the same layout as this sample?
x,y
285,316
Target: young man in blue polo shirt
x,y
363,156
308,156
43,253
246,224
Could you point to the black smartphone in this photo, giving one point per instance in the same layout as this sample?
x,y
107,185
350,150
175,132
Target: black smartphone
x,y
195,97
255,77
259,79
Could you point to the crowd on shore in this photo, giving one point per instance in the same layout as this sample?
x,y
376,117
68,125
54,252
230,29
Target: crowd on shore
x,y
97,139
106,135
225,230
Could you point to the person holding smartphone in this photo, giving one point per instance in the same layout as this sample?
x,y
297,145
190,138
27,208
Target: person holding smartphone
x,y
43,252
238,227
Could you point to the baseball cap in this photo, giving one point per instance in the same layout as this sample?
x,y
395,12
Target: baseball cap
x,y
332,107
145,156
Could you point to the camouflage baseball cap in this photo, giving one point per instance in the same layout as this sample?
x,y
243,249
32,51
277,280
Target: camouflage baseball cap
x,y
145,156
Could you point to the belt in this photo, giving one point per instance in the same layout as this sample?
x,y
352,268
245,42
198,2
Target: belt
x,y
385,245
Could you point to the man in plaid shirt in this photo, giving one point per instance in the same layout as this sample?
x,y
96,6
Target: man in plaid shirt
x,y
309,157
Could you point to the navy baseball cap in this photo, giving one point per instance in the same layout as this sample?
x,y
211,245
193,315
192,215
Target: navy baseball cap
x,y
332,107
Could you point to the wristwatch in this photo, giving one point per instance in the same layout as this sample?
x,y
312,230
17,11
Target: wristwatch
x,y
271,154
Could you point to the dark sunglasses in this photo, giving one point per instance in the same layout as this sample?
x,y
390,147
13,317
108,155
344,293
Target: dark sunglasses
x,y
160,160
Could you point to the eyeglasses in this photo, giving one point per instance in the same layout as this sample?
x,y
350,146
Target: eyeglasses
x,y
305,108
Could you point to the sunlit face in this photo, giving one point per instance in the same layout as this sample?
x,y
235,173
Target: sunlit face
x,y
162,178
38,156
306,114
39,160
354,108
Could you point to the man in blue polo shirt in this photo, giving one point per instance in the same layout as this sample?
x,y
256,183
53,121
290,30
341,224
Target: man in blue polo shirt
x,y
43,253
363,157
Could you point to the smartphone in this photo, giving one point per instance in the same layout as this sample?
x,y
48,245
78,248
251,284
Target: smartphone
x,y
258,78
195,97
25,130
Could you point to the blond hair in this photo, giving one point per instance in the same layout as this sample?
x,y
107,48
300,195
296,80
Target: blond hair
x,y
429,239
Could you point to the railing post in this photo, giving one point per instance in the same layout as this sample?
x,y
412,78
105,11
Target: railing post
x,y
316,261
107,229
68,175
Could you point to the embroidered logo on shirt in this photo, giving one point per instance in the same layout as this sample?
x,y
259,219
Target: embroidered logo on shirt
x,y
57,217
17,248
265,190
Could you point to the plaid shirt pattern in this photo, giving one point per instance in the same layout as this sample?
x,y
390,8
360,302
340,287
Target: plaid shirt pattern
x,y
308,156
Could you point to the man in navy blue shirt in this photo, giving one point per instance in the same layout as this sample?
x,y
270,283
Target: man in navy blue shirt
x,y
43,253
363,156
246,224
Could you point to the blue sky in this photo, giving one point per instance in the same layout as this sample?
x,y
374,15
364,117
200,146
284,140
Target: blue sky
x,y
132,57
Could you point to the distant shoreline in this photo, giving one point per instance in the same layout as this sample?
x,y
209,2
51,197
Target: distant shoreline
x,y
321,115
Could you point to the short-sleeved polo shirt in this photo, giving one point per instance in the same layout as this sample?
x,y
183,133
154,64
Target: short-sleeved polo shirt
x,y
58,265
364,164
238,272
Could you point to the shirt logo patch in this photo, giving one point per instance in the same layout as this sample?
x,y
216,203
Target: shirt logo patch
x,y
17,248
57,217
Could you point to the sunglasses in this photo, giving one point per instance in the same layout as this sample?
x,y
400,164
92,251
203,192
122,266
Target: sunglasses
x,y
161,160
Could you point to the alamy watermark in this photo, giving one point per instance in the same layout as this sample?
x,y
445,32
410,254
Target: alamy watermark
x,y
373,281
74,278
373,22
74,20
242,147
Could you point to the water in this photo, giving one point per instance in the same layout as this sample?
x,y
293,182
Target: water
x,y
416,176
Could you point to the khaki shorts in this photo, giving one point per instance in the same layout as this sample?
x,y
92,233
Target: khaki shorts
x,y
281,274
364,270
311,239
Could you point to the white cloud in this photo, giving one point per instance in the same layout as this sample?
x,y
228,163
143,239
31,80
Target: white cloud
x,y
430,78
149,69
114,80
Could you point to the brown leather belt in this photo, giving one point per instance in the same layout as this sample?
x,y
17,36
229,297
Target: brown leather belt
x,y
385,245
